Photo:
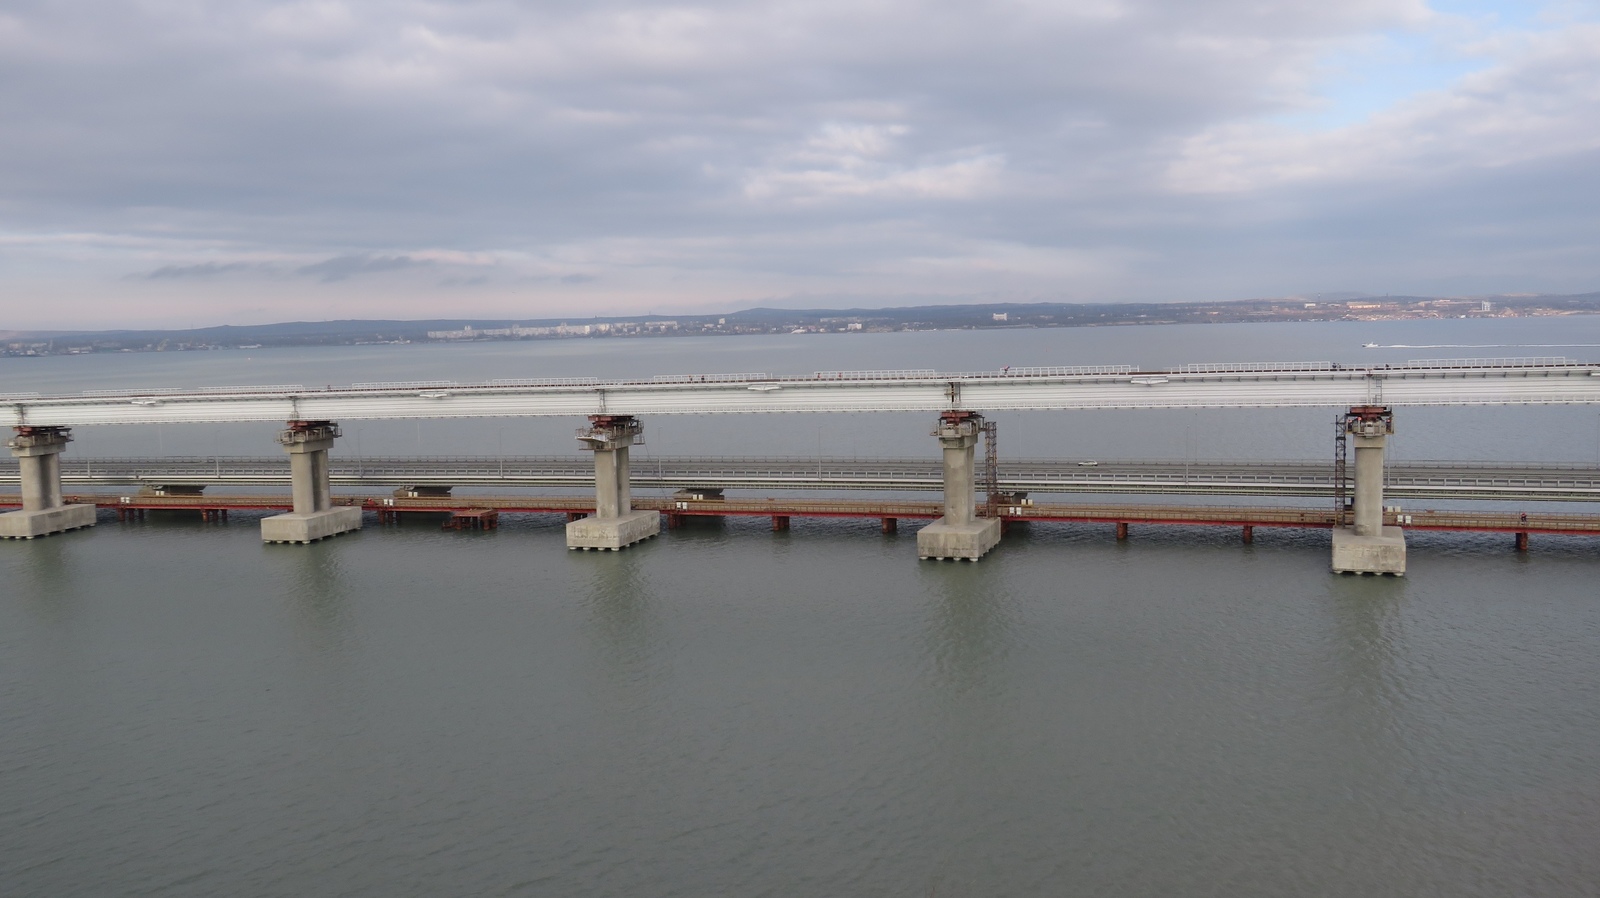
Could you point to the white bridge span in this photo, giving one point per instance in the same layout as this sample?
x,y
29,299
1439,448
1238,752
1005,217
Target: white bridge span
x,y
1277,385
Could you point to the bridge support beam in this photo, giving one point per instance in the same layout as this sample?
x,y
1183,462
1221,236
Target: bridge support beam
x,y
960,534
1367,546
38,453
315,516
615,525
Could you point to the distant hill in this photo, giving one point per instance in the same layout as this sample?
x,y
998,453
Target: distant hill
x,y
770,320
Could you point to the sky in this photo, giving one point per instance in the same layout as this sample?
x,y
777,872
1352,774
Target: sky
x,y
182,163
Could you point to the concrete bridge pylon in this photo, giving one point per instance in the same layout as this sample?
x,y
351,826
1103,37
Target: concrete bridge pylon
x,y
615,525
960,534
1366,546
315,516
38,454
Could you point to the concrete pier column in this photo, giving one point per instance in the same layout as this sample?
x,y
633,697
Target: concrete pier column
x,y
315,516
612,498
1367,546
38,454
1369,482
615,525
959,457
960,534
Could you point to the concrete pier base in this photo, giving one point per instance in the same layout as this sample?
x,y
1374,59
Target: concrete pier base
x,y
308,527
960,533
315,516
613,533
38,454
1367,546
32,524
614,524
951,542
1357,554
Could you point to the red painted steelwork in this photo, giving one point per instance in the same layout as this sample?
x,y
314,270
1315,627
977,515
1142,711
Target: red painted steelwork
x,y
888,512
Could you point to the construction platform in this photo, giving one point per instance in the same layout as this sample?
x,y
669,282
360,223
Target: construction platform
x,y
678,511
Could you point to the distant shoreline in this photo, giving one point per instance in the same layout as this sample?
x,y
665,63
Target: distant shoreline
x,y
985,316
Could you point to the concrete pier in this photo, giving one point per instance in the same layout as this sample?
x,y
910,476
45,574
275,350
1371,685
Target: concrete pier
x,y
38,453
960,534
615,525
315,516
1366,546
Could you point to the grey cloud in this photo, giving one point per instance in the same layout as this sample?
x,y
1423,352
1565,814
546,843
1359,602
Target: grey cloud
x,y
342,268
578,279
761,147
202,270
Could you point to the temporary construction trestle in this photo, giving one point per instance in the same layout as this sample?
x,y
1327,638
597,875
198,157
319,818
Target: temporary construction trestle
x,y
615,525
315,516
1365,545
1341,470
38,453
991,468
959,534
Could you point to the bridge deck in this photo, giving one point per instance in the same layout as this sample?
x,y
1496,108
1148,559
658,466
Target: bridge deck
x,y
1272,385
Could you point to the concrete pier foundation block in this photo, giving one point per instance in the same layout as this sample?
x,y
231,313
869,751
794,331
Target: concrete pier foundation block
x,y
613,533
614,524
1367,546
31,524
314,516
966,542
308,527
38,454
1379,554
960,534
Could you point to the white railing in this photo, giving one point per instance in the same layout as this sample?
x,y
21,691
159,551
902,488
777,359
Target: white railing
x,y
545,382
902,374
1536,362
264,388
1056,371
157,391
708,378
1250,367
406,385
1069,371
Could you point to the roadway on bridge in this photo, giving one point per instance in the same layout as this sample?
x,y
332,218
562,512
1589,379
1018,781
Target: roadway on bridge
x,y
1403,480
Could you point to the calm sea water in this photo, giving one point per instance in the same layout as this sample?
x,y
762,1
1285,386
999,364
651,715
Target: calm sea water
x,y
729,711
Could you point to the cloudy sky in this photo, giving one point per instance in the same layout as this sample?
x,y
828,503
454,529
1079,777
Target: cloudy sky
x,y
178,162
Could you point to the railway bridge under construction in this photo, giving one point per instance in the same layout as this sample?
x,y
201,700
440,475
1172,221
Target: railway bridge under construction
x,y
1367,537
